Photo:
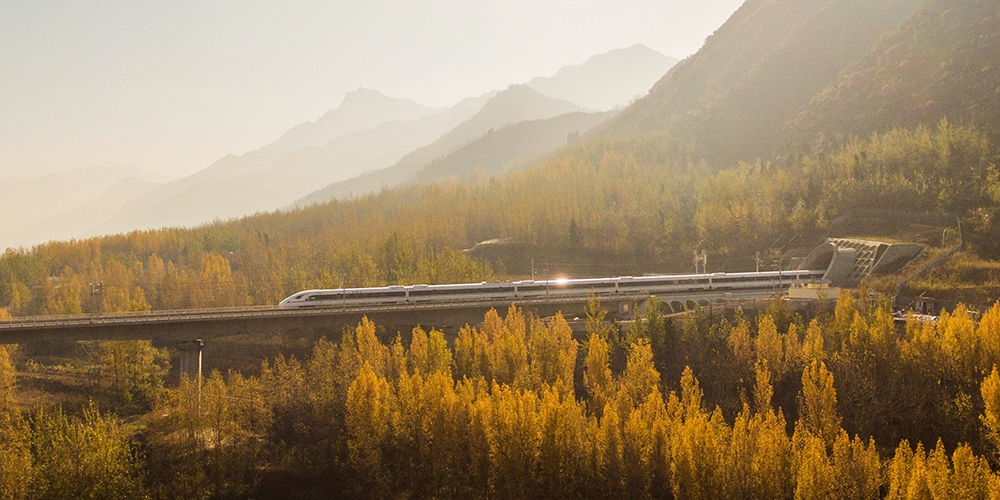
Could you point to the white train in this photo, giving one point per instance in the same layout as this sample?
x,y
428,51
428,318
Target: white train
x,y
560,288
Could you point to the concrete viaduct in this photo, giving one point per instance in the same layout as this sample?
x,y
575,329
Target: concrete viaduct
x,y
189,328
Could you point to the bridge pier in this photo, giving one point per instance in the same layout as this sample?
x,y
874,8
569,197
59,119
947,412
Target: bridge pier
x,y
190,364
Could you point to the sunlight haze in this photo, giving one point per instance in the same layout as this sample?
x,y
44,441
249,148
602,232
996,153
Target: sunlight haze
x,y
173,86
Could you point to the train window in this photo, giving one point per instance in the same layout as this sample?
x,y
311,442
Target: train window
x,y
325,297
379,295
440,291
588,285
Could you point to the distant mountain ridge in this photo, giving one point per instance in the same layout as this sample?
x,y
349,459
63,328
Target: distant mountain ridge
x,y
368,141
27,203
516,104
511,148
361,110
608,80
268,179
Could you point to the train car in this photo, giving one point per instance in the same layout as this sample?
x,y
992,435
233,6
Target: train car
x,y
346,296
555,289
439,293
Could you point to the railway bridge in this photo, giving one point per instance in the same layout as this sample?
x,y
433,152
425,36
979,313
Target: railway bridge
x,y
190,328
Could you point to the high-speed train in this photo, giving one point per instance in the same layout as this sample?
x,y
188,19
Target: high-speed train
x,y
560,288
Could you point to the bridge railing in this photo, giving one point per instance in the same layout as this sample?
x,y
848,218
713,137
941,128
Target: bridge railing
x,y
277,311
263,311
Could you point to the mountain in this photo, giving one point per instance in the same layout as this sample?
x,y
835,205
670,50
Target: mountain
x,y
26,203
363,109
513,147
268,179
80,221
758,70
944,62
516,104
369,132
609,80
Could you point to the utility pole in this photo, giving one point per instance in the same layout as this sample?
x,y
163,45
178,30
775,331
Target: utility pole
x,y
701,258
546,281
97,294
343,288
776,253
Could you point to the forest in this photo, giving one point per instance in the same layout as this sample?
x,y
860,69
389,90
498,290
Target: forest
x,y
625,204
845,102
833,404
825,404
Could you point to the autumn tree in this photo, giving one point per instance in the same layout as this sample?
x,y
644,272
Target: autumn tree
x,y
597,374
369,406
132,371
16,465
8,380
991,412
88,457
818,403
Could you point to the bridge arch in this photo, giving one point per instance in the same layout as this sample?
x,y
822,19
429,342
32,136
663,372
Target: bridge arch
x,y
838,261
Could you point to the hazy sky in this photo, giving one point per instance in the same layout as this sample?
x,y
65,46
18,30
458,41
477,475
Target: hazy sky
x,y
174,85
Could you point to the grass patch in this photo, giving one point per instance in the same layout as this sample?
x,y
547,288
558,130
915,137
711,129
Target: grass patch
x,y
964,278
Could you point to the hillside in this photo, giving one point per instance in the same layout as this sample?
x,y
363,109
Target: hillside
x,y
606,81
755,73
515,104
943,62
268,179
77,221
27,203
367,132
271,177
867,121
511,148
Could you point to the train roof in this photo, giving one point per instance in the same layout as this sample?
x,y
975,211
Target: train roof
x,y
562,282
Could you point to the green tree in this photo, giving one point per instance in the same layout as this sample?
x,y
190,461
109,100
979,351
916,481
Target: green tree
x,y
133,372
91,457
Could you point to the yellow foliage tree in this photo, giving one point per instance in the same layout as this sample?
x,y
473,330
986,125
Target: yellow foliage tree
x,y
368,420
8,380
990,391
16,467
814,474
640,378
768,346
818,403
597,373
